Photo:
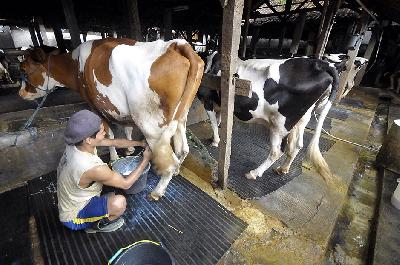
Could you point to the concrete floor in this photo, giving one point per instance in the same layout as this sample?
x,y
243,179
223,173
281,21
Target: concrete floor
x,y
293,225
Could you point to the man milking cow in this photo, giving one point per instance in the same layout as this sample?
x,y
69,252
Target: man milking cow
x,y
81,175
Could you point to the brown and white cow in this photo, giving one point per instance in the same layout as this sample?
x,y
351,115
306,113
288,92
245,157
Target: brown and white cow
x,y
147,84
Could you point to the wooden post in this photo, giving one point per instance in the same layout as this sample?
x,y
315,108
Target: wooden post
x,y
298,31
135,31
352,56
41,31
232,16
282,38
168,24
327,21
34,39
72,23
254,39
310,43
376,34
246,28
59,37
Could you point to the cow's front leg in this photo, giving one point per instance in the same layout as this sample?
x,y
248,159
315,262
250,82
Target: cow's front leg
x,y
160,189
128,133
214,125
274,154
113,152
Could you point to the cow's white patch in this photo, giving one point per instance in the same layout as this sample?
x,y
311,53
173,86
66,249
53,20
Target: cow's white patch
x,y
81,53
129,90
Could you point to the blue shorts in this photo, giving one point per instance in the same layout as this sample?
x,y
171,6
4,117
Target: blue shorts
x,y
95,210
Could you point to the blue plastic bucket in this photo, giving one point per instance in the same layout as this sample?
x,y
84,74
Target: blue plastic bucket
x,y
128,164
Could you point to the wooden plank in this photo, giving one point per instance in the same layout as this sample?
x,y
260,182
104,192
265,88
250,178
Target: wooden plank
x,y
242,86
352,56
327,23
298,31
72,23
232,16
246,28
135,31
59,37
34,39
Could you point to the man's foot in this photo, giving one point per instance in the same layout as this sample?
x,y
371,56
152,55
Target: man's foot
x,y
104,225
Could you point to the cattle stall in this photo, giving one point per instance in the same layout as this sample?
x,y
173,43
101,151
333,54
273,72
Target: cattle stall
x,y
297,99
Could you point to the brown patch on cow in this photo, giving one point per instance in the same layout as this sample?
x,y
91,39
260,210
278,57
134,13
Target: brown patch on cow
x,y
175,76
98,61
100,57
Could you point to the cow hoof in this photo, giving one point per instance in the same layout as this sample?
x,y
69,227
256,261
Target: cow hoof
x,y
281,171
214,144
153,196
251,175
129,151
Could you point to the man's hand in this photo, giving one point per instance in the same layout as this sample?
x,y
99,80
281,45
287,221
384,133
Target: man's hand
x,y
147,153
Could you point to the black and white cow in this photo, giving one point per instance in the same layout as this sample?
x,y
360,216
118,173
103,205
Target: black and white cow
x,y
284,94
340,60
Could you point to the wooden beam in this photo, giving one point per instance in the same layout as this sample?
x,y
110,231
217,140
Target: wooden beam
x,y
167,24
281,14
246,28
135,31
34,39
41,31
59,37
298,31
326,28
352,55
72,23
242,86
232,16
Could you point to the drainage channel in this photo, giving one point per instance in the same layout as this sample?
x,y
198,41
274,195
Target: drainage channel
x,y
351,238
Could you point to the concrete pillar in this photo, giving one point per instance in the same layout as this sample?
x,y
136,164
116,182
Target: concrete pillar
x,y
298,31
135,31
168,24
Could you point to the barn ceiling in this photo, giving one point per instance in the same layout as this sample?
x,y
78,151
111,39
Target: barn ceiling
x,y
204,15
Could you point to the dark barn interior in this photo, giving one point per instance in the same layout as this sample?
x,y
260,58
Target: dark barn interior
x,y
211,213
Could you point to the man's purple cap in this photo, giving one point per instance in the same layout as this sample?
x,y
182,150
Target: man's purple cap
x,y
81,125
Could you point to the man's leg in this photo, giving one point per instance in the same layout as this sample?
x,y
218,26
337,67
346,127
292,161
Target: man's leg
x,y
116,205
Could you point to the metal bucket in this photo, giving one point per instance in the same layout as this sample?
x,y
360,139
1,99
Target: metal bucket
x,y
128,164
143,253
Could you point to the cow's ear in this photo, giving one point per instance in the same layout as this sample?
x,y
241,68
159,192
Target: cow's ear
x,y
38,55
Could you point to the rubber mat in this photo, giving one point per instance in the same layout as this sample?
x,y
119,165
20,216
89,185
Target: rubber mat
x,y
312,124
15,241
250,148
193,227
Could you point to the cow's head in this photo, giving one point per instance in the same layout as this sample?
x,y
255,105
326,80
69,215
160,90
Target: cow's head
x,y
35,69
338,60
359,62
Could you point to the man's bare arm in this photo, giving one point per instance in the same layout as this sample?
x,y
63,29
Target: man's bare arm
x,y
112,178
121,143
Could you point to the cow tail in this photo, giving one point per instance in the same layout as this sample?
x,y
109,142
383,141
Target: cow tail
x,y
193,80
313,150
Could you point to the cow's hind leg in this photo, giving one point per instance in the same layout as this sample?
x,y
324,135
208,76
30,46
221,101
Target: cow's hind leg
x,y
214,125
274,154
128,133
113,152
295,142
181,147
